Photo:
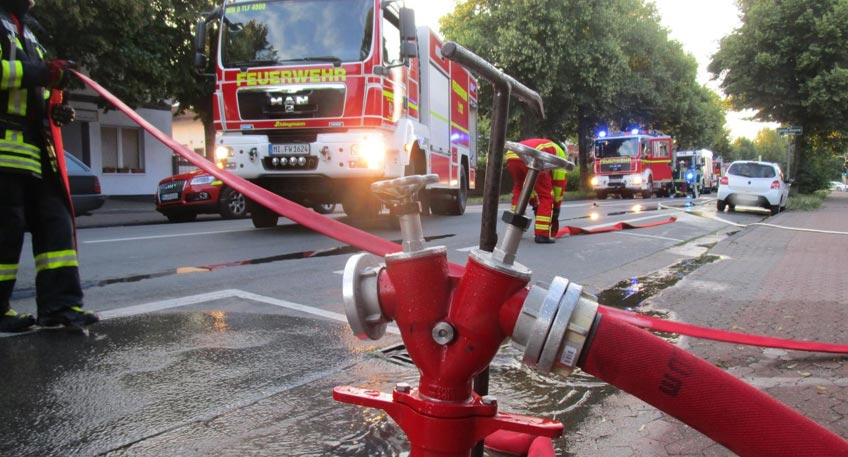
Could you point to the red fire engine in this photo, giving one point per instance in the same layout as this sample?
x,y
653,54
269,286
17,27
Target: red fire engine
x,y
316,99
627,163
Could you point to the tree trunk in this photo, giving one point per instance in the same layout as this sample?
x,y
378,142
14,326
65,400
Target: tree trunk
x,y
585,144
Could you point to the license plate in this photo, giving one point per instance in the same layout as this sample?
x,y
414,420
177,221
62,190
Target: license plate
x,y
298,148
169,196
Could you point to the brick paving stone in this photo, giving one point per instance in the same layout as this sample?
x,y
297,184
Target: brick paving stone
x,y
769,281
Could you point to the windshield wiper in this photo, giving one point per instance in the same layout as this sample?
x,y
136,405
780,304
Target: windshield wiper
x,y
332,59
251,63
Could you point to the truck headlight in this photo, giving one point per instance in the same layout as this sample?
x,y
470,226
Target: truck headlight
x,y
372,152
223,153
594,181
637,180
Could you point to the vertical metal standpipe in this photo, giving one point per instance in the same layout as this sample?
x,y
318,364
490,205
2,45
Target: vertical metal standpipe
x,y
494,166
504,86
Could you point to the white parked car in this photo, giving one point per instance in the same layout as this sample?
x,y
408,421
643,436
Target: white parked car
x,y
752,183
836,185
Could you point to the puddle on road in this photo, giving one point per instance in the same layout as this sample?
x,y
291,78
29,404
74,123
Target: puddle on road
x,y
523,390
631,293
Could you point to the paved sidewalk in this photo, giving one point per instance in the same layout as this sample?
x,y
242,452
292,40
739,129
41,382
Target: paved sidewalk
x,y
769,281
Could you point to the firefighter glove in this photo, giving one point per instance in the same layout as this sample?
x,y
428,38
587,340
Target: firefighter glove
x,y
59,74
63,114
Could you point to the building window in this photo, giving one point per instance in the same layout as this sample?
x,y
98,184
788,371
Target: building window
x,y
122,150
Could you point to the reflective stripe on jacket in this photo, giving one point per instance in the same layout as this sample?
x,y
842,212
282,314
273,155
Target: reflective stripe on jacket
x,y
23,74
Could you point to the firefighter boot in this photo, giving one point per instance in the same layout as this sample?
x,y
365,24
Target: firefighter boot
x,y
72,316
11,321
542,239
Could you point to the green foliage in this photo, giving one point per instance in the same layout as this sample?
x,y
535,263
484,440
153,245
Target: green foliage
x,y
138,50
806,202
815,174
594,62
788,61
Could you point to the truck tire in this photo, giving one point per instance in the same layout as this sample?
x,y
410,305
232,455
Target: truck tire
x,y
363,206
648,193
459,196
601,194
262,217
451,202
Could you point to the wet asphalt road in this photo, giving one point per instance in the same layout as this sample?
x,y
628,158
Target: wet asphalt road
x,y
245,372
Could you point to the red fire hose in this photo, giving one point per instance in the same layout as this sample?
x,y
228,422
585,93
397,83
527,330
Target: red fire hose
x,y
734,414
633,360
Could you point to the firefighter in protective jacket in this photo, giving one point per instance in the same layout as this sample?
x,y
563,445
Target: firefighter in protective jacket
x,y
549,189
35,197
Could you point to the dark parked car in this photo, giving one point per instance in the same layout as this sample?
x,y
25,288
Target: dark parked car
x,y
182,197
85,186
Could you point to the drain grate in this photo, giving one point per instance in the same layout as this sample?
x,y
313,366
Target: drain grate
x,y
397,354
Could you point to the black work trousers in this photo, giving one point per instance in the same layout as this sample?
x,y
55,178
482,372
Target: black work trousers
x,y
38,205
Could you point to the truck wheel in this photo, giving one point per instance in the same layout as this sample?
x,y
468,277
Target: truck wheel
x,y
262,217
601,194
459,196
648,193
324,208
232,204
362,206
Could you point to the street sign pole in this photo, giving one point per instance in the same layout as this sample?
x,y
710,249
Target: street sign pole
x,y
789,157
791,132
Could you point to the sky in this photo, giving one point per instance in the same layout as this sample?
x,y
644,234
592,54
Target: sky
x,y
698,25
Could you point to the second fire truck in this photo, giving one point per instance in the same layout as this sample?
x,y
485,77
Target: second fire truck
x,y
634,162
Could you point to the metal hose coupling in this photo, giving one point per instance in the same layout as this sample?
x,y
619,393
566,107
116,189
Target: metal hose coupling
x,y
554,325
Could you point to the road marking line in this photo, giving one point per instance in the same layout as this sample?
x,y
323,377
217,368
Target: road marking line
x,y
166,304
221,294
153,237
302,308
468,249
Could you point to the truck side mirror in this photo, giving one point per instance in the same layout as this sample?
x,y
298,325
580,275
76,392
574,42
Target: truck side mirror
x,y
407,24
200,59
408,50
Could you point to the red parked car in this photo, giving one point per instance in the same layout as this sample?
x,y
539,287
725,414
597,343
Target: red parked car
x,y
182,197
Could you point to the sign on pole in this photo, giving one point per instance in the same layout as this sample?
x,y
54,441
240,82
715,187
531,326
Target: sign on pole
x,y
791,131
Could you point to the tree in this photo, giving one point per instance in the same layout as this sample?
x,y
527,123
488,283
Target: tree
x,y
140,51
594,63
771,147
788,61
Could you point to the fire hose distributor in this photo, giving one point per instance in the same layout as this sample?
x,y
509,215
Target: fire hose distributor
x,y
451,326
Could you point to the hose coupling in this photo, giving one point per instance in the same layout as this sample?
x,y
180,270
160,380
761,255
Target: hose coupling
x,y
554,325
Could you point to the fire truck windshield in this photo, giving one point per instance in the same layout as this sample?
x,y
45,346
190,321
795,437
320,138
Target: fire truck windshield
x,y
296,31
617,147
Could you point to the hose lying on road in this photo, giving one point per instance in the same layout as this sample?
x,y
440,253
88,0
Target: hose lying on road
x,y
378,246
734,414
724,408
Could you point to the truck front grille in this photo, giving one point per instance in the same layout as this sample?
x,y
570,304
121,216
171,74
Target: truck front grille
x,y
301,102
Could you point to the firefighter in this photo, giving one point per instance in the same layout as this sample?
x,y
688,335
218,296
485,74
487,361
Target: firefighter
x,y
680,178
549,189
34,195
